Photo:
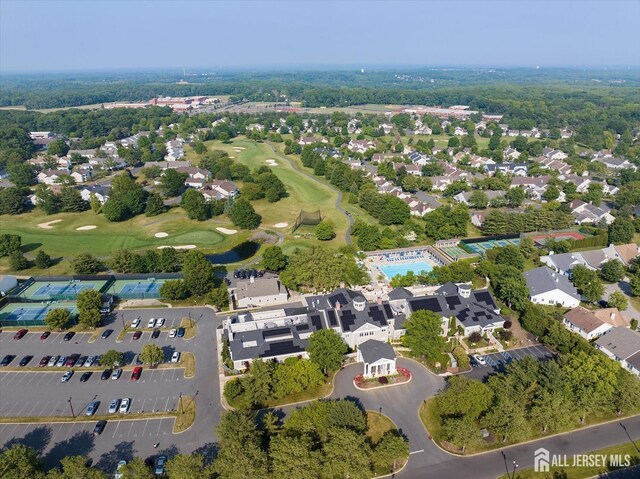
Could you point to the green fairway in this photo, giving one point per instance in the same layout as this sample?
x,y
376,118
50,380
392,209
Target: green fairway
x,y
63,240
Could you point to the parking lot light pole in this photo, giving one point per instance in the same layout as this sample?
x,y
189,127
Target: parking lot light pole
x,y
515,466
180,403
71,406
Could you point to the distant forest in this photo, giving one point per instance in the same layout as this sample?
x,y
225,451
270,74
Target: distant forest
x,y
587,100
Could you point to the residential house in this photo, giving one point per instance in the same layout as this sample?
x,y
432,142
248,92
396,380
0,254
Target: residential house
x,y
585,323
361,146
533,186
100,192
465,196
378,357
310,140
551,288
622,345
510,154
52,177
588,213
219,190
418,158
553,154
259,292
515,169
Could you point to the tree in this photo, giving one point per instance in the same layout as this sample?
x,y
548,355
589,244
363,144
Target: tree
x,y
89,318
20,462
633,324
293,457
508,420
57,148
172,182
86,263
74,467
552,411
195,204
391,448
612,271
187,466
634,284
327,349
479,199
588,283
424,335
46,200
151,354
464,397
621,231
219,296
237,461
58,318
9,243
510,256
346,454
71,200
593,194
513,291
515,196
461,431
136,469
21,174
17,261
12,200
552,193
273,259
155,205
243,215
43,260
88,299
593,290
325,231
198,273
115,210
112,358
174,289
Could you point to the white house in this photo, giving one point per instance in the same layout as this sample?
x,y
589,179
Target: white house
x,y
585,323
259,292
622,345
379,358
551,288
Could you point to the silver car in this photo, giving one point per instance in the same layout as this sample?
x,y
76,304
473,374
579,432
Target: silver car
x,y
89,362
113,407
116,374
61,361
52,362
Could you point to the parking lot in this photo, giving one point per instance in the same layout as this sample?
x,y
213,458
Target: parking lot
x,y
496,362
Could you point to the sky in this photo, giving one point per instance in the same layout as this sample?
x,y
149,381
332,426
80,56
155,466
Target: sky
x,y
61,35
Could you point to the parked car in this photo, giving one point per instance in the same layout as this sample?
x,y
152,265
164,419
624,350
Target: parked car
x,y
172,333
159,322
479,360
155,334
69,336
89,361
137,372
99,427
106,333
24,361
175,357
92,408
159,470
52,361
116,374
119,474
61,361
81,360
180,332
44,361
45,335
72,360
113,407
151,323
66,376
135,323
125,404
137,335
106,374
20,334
7,360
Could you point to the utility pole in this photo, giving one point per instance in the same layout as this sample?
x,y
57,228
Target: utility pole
x,y
71,406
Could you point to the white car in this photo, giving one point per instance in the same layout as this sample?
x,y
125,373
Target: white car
x,y
66,376
159,322
125,404
52,362
61,361
119,474
479,359
135,323
113,407
151,323
176,357
89,362
116,374
172,333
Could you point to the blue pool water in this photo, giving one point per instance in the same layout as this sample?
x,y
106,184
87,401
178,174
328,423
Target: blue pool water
x,y
391,270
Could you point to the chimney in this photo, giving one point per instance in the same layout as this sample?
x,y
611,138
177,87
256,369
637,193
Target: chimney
x,y
612,315
337,305
342,284
252,279
379,300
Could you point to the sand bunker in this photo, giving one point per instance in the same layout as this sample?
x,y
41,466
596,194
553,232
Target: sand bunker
x,y
226,231
239,148
186,246
85,228
281,225
161,234
47,225
232,157
272,162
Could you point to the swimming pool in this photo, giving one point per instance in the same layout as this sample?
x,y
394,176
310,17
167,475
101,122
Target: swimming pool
x,y
391,270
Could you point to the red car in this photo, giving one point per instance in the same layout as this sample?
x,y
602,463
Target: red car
x,y
20,334
45,335
137,372
44,361
137,335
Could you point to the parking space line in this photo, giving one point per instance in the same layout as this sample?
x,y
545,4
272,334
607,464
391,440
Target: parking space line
x,y
116,429
159,427
146,423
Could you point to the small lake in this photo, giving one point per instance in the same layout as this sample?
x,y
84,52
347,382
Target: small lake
x,y
237,253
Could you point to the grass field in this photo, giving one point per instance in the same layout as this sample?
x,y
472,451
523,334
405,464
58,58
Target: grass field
x,y
377,425
64,241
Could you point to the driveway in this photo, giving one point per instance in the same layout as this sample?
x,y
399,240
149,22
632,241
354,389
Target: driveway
x,y
624,288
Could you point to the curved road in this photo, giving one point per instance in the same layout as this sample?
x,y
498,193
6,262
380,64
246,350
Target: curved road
x,y
294,165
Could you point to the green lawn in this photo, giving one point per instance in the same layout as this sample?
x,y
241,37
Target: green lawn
x,y
377,425
582,472
63,240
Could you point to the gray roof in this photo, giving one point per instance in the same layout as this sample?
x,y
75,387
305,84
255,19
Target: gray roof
x,y
566,261
373,351
400,293
621,342
542,280
634,360
259,287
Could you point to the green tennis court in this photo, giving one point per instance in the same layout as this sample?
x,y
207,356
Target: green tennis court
x,y
60,290
31,314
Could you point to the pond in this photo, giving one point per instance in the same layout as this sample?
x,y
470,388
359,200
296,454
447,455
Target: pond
x,y
237,253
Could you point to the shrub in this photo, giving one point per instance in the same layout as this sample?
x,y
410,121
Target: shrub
x,y
507,325
506,335
233,389
383,380
475,337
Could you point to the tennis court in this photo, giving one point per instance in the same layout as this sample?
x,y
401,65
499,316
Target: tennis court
x,y
566,235
56,290
454,252
26,314
482,246
144,288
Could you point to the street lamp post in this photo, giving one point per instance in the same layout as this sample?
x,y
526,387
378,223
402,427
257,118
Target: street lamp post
x,y
71,406
180,403
515,466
